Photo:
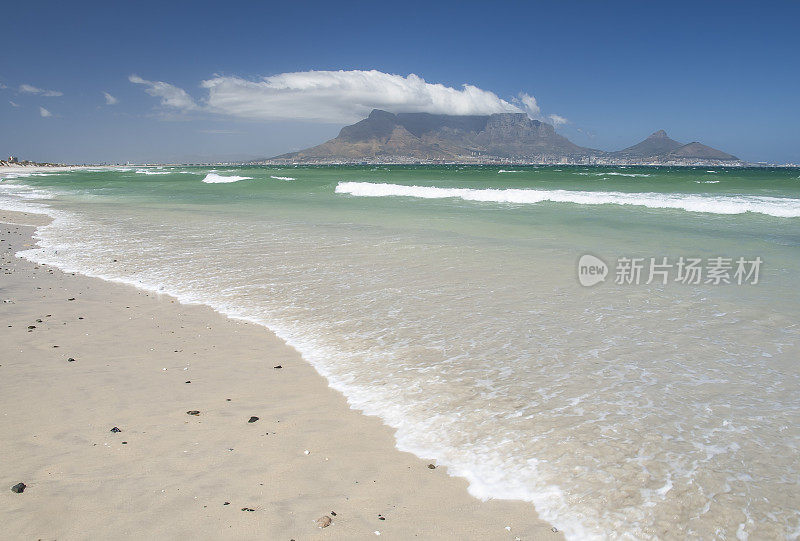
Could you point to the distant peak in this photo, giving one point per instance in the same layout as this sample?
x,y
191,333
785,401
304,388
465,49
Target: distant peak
x,y
659,133
380,113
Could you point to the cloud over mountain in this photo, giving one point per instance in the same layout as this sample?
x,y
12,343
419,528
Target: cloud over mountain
x,y
344,96
335,96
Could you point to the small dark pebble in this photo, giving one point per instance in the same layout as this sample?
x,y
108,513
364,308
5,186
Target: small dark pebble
x,y
226,503
19,488
278,366
188,382
227,400
381,518
250,509
431,467
253,419
554,529
333,513
115,429
72,299
124,443
31,326
70,360
193,412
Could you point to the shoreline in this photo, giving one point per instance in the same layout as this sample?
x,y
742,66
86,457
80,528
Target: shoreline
x,y
134,352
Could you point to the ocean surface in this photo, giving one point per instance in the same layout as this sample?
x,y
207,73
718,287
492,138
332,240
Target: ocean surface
x,y
448,301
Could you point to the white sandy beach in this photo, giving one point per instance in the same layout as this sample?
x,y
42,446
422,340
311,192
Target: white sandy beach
x,y
141,362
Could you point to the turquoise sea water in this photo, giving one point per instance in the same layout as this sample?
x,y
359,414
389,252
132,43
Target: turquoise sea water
x,y
446,300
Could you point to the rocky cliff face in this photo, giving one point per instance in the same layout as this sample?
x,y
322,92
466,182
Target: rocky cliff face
x,y
384,136
443,137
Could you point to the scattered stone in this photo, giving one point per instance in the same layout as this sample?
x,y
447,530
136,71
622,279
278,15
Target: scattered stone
x,y
38,321
70,360
72,299
226,503
431,467
333,513
381,517
277,366
306,452
19,488
253,419
124,443
193,412
324,522
31,326
188,382
554,529
248,509
115,429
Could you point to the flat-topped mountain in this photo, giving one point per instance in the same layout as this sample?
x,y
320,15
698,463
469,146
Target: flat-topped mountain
x,y
496,138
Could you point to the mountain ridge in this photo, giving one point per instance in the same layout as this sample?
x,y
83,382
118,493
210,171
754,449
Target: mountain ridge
x,y
385,137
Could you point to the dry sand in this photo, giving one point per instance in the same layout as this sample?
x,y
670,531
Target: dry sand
x,y
171,475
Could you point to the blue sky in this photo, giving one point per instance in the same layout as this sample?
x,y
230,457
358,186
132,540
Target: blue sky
x,y
723,73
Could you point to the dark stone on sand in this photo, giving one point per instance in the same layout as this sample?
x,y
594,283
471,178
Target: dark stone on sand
x,y
193,412
226,503
188,382
72,299
253,419
333,513
250,509
278,366
116,429
124,443
70,360
31,326
19,488
381,517
431,467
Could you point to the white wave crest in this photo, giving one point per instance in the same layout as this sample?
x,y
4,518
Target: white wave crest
x,y
213,178
282,178
715,204
509,171
148,172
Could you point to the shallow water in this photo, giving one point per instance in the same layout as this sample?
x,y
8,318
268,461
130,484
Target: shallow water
x,y
446,300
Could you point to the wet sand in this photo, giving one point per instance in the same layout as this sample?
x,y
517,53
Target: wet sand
x,y
140,362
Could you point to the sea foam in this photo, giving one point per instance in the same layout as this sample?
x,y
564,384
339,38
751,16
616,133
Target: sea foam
x,y
715,204
213,178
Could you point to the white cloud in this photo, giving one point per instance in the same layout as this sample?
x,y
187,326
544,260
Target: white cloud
x,y
30,89
337,97
110,100
44,112
171,95
344,96
558,120
13,104
528,103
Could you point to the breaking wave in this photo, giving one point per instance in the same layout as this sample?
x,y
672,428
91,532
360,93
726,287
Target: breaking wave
x,y
213,178
715,204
